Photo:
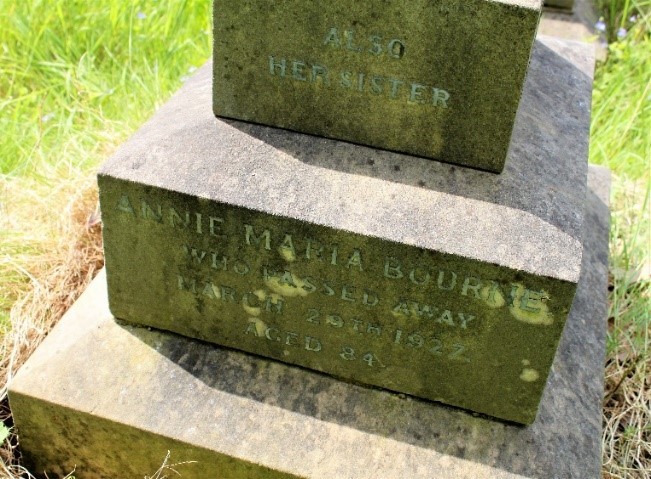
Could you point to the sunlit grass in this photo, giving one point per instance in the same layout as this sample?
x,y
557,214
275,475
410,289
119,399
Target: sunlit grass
x,y
619,16
76,78
621,139
622,107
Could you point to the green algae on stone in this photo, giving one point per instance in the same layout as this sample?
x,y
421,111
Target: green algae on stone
x,y
435,79
360,308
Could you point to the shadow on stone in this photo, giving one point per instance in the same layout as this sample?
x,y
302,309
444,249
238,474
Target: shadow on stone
x,y
573,392
552,127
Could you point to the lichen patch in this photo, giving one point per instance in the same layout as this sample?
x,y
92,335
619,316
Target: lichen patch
x,y
530,306
288,285
529,375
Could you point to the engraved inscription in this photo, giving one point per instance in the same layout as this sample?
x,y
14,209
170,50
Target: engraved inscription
x,y
374,44
530,304
410,91
288,338
351,302
371,360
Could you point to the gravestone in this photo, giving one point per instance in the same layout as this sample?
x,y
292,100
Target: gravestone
x,y
436,79
109,399
442,282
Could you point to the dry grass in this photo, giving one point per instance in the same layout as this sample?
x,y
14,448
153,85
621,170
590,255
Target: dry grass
x,y
51,251
627,401
166,468
76,79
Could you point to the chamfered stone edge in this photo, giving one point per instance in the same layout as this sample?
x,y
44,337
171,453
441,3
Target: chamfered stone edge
x,y
254,164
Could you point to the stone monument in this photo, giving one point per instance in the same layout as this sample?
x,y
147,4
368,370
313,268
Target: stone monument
x,y
389,273
448,285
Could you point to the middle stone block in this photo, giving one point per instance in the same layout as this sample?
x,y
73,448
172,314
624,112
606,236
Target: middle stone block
x,y
443,282
439,79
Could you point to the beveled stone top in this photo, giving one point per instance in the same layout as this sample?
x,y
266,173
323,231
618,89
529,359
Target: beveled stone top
x,y
532,211
536,4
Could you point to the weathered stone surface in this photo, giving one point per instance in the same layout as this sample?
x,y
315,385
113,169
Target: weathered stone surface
x,y
576,24
562,4
436,79
399,272
111,399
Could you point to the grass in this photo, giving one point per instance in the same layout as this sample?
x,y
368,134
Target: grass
x,y
77,77
75,80
624,14
621,139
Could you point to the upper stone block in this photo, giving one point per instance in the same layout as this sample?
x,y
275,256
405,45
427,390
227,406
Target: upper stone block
x,y
438,79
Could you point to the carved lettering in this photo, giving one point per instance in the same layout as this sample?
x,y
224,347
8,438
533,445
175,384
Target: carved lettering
x,y
272,334
370,298
258,329
252,239
416,95
312,344
335,321
355,260
472,284
317,72
298,70
262,272
392,269
195,254
313,250
175,218
210,291
186,284
350,41
332,38
277,66
440,97
215,227
373,44
124,205
291,339
154,213
450,285
531,301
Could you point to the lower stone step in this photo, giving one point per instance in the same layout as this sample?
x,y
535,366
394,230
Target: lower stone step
x,y
109,400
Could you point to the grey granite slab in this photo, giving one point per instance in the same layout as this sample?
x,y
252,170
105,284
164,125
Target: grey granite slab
x,y
574,21
109,400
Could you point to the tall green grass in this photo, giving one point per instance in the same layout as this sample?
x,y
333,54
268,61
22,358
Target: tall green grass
x,y
621,139
76,76
623,14
621,114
